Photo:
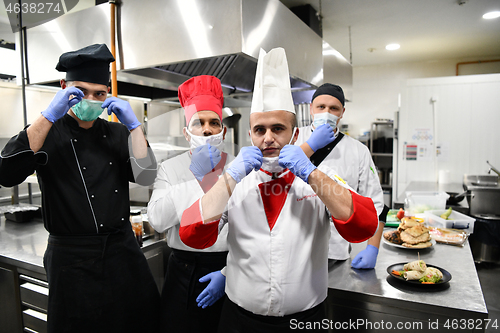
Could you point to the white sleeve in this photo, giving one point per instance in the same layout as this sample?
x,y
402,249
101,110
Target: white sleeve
x,y
168,201
334,175
369,183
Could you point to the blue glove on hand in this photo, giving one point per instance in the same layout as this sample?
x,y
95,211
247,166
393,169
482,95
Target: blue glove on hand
x,y
123,112
61,103
204,159
321,136
213,291
248,159
293,158
366,259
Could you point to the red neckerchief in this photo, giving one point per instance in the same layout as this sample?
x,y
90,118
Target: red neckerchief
x,y
274,193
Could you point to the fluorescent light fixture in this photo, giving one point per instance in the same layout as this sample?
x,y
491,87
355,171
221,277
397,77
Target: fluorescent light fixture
x,y
491,15
392,47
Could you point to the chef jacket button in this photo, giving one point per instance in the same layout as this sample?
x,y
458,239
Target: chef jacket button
x,y
84,168
116,191
123,219
104,136
92,196
102,225
110,163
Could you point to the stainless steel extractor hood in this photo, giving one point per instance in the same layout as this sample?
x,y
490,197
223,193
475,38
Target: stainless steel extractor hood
x,y
163,43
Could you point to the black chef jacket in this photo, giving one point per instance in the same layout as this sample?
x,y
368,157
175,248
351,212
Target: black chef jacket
x,y
83,175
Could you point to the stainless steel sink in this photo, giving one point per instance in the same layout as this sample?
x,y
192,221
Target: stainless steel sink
x,y
481,180
483,194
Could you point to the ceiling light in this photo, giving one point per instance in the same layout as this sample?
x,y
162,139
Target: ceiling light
x,y
491,15
392,47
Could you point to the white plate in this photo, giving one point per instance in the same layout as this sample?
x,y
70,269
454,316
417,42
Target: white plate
x,y
433,242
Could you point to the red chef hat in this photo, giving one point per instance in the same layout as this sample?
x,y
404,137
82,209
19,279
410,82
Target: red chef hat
x,y
201,93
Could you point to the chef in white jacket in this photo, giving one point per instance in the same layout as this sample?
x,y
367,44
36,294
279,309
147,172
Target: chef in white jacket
x,y
326,145
276,205
188,304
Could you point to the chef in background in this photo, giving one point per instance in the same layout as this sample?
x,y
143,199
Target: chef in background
x,y
99,279
325,145
193,283
275,204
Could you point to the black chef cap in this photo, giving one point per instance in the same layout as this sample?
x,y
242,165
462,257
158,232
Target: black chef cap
x,y
90,64
332,90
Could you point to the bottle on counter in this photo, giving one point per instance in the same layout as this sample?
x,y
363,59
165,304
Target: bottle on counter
x,y
137,227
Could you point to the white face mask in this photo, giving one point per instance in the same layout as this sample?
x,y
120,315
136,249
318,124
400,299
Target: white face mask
x,y
325,118
271,164
216,140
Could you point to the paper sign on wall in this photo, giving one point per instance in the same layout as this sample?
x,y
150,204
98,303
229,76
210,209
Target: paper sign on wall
x,y
410,152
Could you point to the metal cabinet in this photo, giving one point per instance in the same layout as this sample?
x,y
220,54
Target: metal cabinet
x,y
381,149
10,304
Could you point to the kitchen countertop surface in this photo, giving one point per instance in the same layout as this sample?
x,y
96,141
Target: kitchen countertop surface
x,y
23,245
462,293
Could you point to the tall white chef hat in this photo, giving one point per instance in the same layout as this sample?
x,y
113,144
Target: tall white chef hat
x,y
272,89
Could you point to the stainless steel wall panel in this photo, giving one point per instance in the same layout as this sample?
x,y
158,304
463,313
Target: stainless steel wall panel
x,y
69,32
159,32
269,24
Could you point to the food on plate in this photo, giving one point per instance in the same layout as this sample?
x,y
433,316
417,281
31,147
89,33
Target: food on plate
x,y
408,222
448,236
446,214
413,275
418,270
413,233
410,233
393,236
417,230
431,275
406,237
417,265
418,246
400,214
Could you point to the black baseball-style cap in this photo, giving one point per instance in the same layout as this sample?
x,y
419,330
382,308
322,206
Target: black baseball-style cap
x,y
90,64
332,90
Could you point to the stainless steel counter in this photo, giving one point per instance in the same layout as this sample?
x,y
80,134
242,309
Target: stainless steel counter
x,y
374,296
23,245
369,295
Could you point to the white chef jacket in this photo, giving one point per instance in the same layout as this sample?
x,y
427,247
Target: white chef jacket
x,y
284,270
175,189
353,162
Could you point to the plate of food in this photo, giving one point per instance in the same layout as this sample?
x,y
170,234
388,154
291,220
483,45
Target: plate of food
x,y
419,273
411,234
406,246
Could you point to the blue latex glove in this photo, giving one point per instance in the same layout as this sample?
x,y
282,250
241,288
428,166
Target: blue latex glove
x,y
366,259
204,159
293,158
213,291
123,112
61,103
321,136
248,159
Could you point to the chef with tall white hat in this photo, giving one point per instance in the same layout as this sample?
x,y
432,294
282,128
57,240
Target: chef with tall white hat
x,y
277,207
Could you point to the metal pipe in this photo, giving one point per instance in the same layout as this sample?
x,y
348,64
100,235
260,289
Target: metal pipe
x,y
114,82
493,168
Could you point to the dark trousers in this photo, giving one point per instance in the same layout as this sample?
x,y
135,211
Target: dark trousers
x,y
100,284
180,312
235,319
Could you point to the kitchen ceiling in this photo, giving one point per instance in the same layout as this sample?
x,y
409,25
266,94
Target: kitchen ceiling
x,y
427,30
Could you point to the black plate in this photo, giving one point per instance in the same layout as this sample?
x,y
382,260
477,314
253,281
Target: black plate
x,y
399,267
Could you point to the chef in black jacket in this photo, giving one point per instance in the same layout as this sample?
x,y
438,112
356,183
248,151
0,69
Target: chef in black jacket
x,y
99,280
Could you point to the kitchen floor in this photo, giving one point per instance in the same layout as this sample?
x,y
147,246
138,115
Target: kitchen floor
x,y
489,274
